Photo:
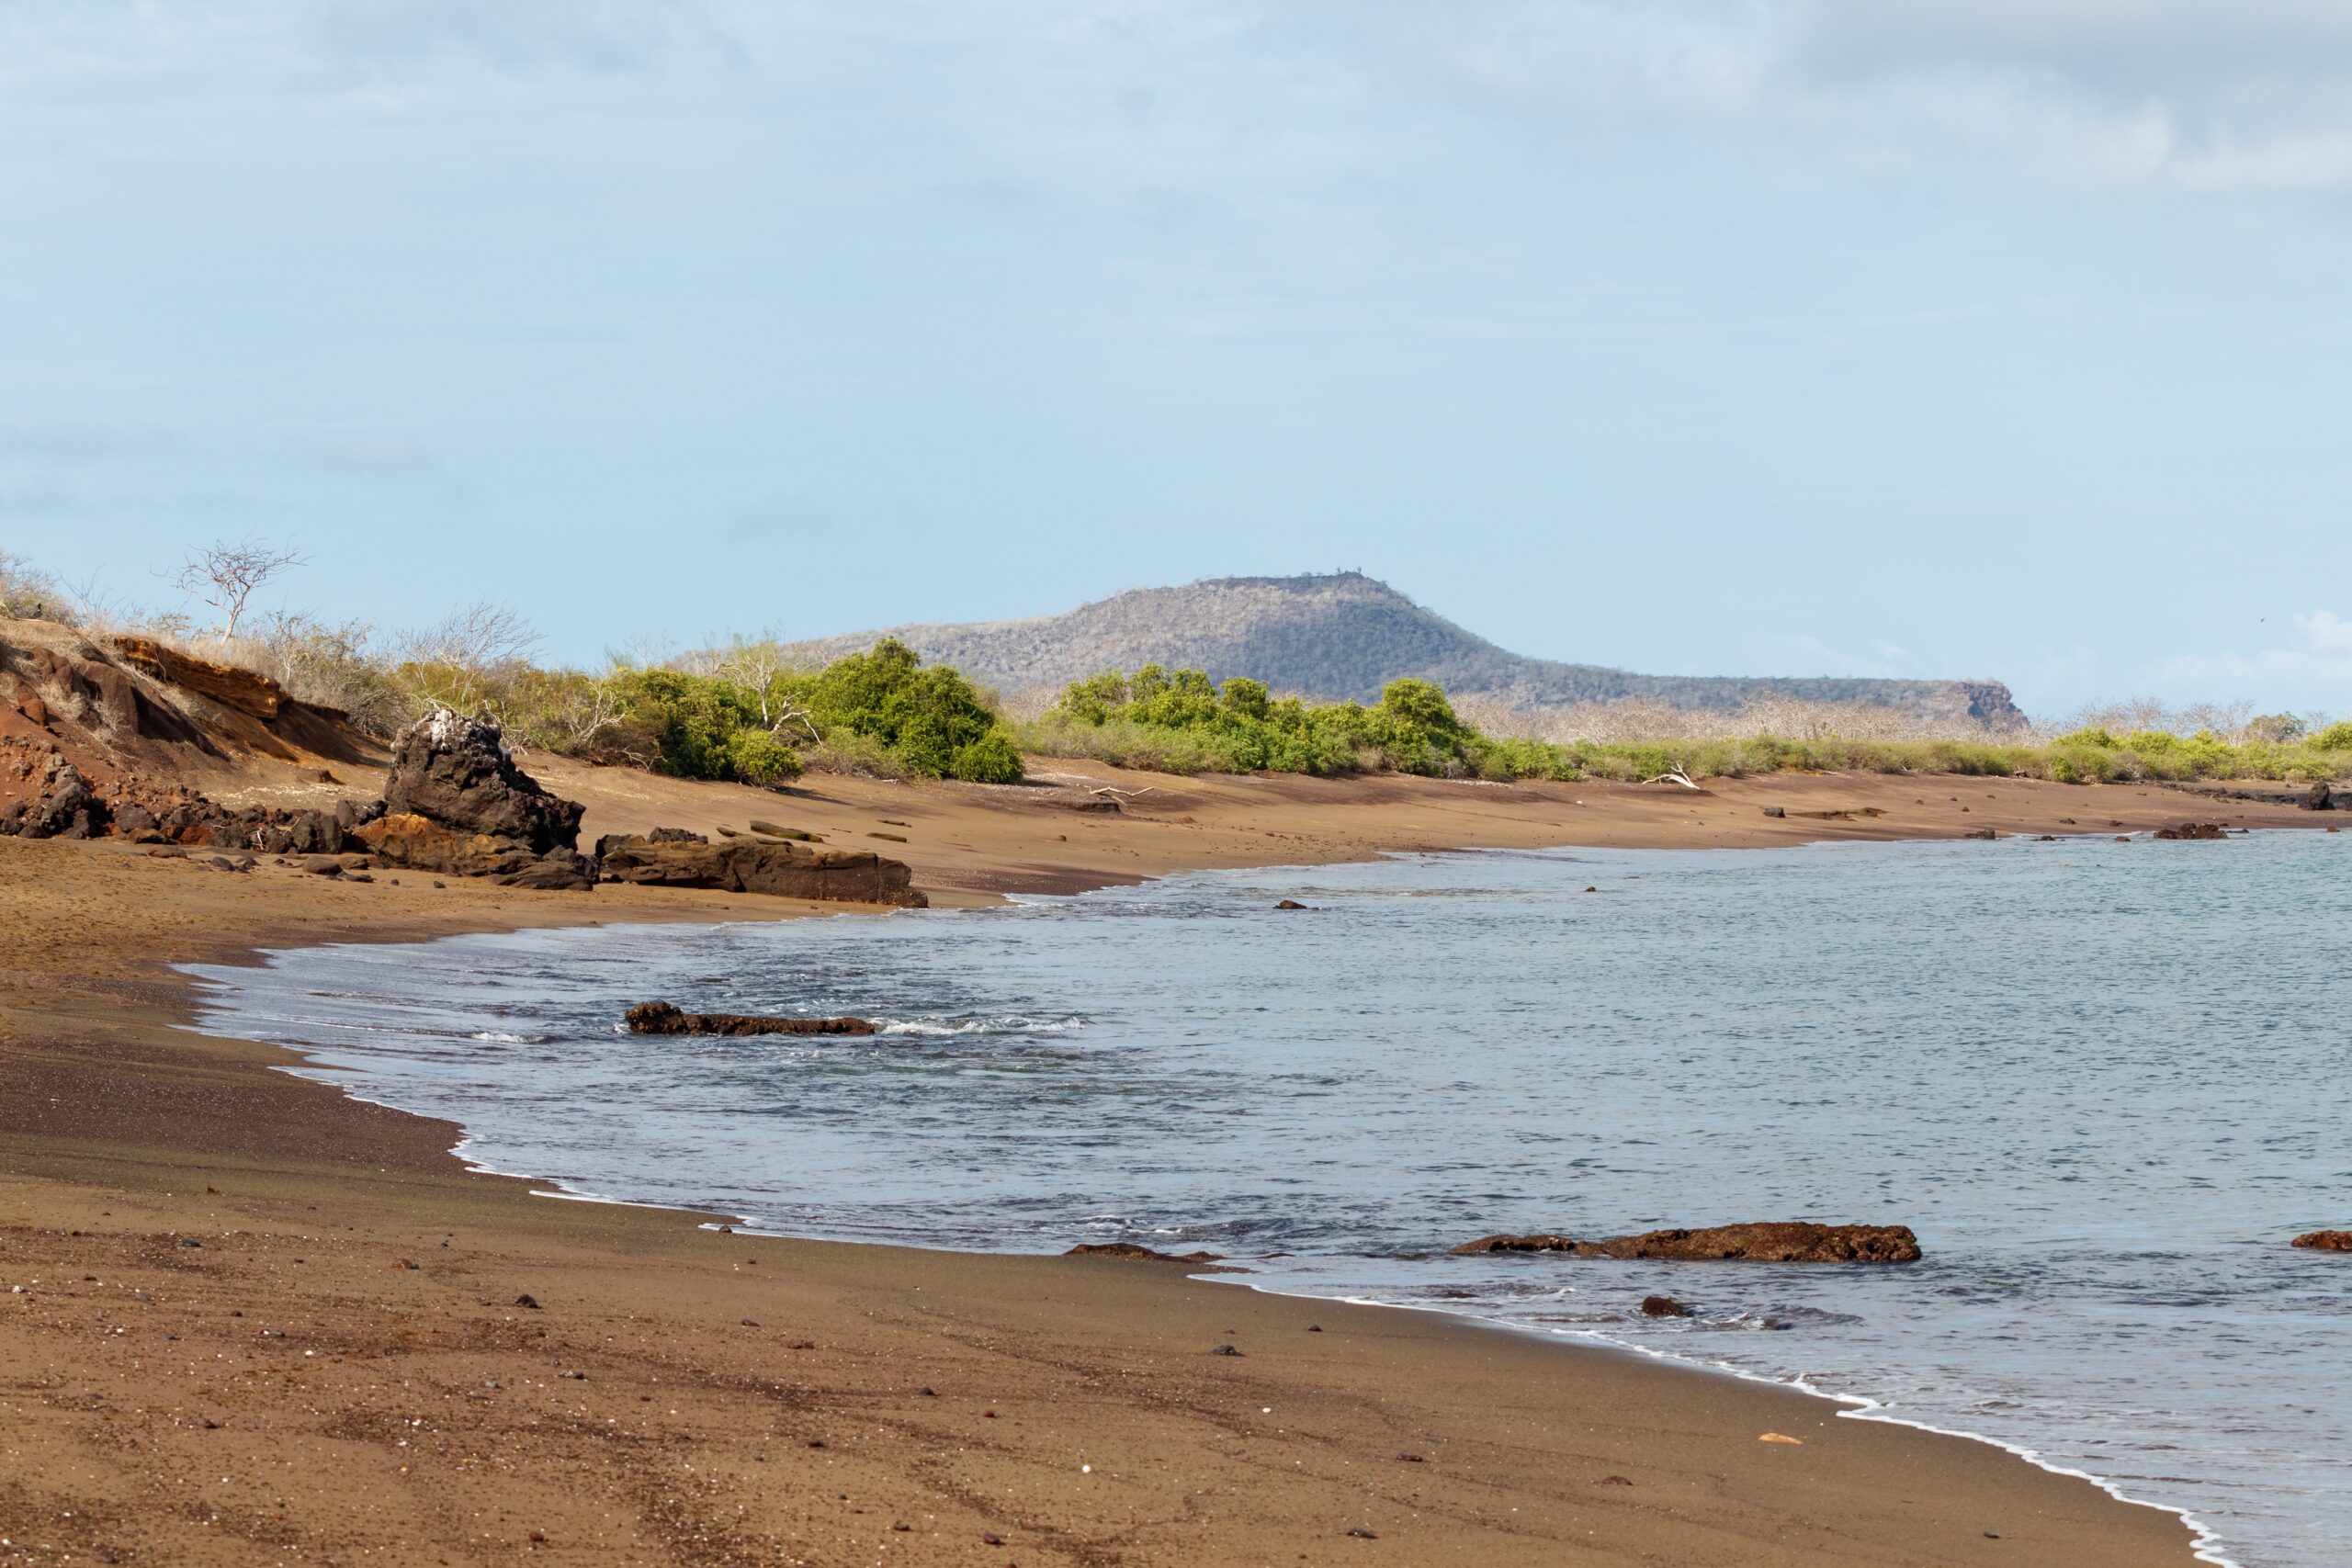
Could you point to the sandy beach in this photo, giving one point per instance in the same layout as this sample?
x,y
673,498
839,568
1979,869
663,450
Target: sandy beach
x,y
254,1319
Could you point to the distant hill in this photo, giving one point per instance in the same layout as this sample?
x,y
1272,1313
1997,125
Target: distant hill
x,y
1346,634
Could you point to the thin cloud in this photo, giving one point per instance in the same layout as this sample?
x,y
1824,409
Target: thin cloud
x,y
2311,669
2253,97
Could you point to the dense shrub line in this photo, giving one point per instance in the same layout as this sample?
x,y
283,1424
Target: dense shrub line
x,y
743,712
1184,723
883,711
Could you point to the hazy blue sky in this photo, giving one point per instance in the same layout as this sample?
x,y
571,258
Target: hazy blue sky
x,y
2010,338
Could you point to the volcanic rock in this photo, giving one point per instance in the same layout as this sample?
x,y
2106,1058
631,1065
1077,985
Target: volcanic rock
x,y
748,865
1140,1254
661,1018
1794,1241
226,684
1663,1307
455,803
63,807
457,771
417,843
1517,1243
2194,831
2326,1241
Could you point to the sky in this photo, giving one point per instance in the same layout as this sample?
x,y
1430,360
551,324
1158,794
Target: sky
x,y
2000,340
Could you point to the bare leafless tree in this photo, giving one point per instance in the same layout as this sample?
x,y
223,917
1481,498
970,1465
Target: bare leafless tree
x,y
459,659
225,575
481,635
758,666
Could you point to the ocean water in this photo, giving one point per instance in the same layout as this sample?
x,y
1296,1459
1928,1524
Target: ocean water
x,y
2105,1082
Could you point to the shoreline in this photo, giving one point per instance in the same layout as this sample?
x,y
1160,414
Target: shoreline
x,y
42,1159
2207,1545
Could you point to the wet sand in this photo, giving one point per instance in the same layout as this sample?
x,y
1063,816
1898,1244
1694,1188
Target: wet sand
x,y
291,1390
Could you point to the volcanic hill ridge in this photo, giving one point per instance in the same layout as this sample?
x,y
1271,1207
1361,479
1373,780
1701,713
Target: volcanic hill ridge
x,y
1344,635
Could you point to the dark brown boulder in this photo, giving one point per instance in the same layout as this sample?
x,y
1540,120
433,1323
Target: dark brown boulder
x,y
661,1018
1791,1241
1517,1243
779,868
1663,1307
417,843
457,771
2194,831
62,806
1128,1249
2326,1241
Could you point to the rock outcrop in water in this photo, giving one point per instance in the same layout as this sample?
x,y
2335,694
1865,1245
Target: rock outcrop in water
x,y
1790,1241
1543,1243
1128,1249
2194,831
661,1018
457,804
782,868
2326,1241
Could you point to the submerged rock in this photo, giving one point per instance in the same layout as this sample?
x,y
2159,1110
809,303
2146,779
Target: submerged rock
x,y
2326,1241
661,1018
1517,1243
2194,831
1663,1307
1140,1254
1790,1241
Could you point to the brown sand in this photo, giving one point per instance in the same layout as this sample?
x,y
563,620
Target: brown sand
x,y
290,1391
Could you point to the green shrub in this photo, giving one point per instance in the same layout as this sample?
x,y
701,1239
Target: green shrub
x,y
1180,721
2334,737
928,716
992,759
758,757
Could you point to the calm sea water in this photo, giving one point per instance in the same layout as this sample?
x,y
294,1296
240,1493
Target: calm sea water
x,y
2105,1082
